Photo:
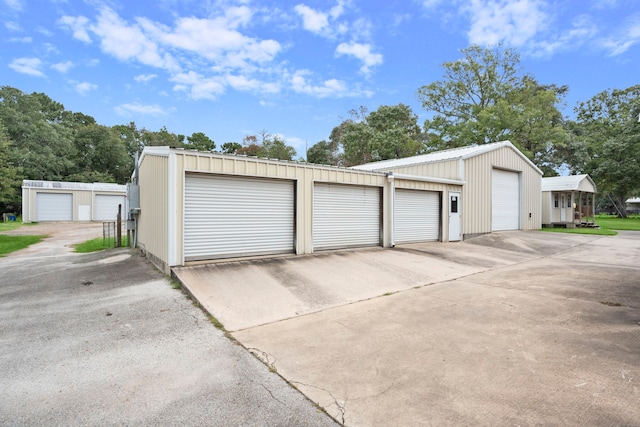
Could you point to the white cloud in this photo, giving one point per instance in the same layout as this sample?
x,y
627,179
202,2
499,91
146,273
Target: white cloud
x,y
319,22
78,25
12,26
624,40
29,66
62,67
21,39
144,77
85,87
128,42
14,4
361,52
332,87
198,86
135,108
514,22
312,20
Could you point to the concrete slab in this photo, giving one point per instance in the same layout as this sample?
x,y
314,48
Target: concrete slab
x,y
244,294
522,328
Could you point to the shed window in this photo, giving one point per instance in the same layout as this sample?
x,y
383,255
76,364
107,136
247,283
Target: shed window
x,y
568,200
556,201
454,204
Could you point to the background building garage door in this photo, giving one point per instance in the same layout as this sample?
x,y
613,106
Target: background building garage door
x,y
54,207
237,216
106,207
416,216
505,200
345,216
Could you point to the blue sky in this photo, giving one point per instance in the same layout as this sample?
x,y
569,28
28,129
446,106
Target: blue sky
x,y
295,68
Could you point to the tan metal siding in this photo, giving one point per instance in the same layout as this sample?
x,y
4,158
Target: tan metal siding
x,y
153,220
304,175
476,198
448,169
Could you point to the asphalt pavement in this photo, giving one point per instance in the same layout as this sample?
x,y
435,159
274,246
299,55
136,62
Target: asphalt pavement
x,y
104,339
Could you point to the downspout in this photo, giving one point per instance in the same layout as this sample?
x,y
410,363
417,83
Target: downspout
x,y
392,202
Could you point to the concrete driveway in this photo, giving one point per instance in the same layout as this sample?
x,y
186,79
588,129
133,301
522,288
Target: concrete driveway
x,y
515,328
103,339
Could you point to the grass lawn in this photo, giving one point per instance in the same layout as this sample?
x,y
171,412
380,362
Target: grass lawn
x,y
98,244
10,244
612,222
6,226
608,226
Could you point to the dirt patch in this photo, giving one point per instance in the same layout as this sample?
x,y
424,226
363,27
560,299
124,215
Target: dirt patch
x,y
61,236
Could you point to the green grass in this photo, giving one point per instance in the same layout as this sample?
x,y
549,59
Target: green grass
x,y
608,225
97,244
596,231
12,225
10,244
612,222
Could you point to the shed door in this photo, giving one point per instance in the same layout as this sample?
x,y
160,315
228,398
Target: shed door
x,y
345,216
106,207
54,207
236,216
505,200
416,216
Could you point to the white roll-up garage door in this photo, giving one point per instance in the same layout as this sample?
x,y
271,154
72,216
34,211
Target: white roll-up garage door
x,y
416,216
236,216
106,207
54,207
345,216
505,200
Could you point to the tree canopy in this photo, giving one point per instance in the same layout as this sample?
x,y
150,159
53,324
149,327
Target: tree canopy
x,y
390,132
484,97
606,143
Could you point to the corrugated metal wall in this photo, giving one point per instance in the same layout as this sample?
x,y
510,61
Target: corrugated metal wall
x,y
153,224
448,169
162,204
476,198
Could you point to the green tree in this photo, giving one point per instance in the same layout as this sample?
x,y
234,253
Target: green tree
x,y
100,153
606,139
130,137
231,147
390,132
201,142
162,138
41,132
10,177
276,148
323,153
485,98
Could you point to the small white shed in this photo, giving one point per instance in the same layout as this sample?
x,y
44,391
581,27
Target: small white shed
x,y
44,201
568,201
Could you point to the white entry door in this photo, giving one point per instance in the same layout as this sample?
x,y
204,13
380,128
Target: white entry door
x,y
454,216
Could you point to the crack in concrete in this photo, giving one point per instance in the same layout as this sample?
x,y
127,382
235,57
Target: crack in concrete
x,y
340,406
266,358
272,396
184,311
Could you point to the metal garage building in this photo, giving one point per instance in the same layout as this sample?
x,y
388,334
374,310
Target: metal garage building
x,y
200,206
71,201
502,187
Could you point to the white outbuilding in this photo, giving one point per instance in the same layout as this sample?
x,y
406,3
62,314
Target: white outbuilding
x,y
568,201
44,201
